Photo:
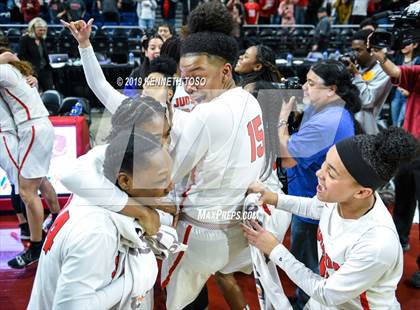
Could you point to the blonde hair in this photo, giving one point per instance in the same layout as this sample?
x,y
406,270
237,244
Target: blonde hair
x,y
37,22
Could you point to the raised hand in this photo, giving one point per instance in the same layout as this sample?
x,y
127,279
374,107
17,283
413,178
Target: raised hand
x,y
287,108
80,30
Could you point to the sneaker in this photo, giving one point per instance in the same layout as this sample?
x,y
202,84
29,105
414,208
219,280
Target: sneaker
x,y
24,259
24,231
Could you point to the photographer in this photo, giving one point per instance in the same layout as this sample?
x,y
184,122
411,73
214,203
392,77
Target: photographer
x,y
329,118
373,83
407,180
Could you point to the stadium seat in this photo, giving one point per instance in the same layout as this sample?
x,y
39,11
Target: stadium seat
x,y
67,44
119,46
52,100
100,41
13,35
69,102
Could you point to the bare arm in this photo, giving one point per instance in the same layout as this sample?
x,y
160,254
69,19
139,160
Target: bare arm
x,y
110,97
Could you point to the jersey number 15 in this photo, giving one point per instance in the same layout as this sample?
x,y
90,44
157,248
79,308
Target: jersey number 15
x,y
256,135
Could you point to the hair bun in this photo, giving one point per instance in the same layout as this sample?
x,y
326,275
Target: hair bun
x,y
395,146
211,16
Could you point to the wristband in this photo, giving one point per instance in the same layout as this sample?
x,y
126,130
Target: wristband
x,y
384,61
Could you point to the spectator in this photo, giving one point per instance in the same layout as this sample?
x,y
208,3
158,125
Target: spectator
x,y
252,12
300,11
151,48
168,11
267,9
236,9
406,57
187,7
286,11
258,63
343,9
165,31
329,118
73,10
407,180
110,10
312,11
55,7
30,9
373,83
369,24
359,11
322,31
146,11
32,49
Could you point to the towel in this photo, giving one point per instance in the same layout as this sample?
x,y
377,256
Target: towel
x,y
269,288
137,262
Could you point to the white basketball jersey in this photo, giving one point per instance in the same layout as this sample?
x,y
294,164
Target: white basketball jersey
x,y
337,237
222,144
181,100
6,120
23,100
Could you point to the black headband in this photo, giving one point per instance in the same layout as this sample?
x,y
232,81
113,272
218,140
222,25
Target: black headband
x,y
359,169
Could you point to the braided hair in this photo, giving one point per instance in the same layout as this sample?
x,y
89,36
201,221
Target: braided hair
x,y
269,72
135,111
267,95
119,155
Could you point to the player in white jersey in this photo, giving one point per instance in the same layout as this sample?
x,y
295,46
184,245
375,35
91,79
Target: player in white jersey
x,y
225,144
36,138
361,259
221,148
9,162
124,266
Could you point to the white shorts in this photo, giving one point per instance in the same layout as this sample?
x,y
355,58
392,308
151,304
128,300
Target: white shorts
x,y
209,251
9,161
36,141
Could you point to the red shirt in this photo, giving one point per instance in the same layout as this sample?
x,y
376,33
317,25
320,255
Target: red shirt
x,y
302,3
30,13
410,80
251,12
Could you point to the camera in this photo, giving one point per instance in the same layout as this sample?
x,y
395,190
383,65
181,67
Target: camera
x,y
347,58
404,32
289,83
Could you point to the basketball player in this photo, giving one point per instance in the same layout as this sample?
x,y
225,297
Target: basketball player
x,y
9,162
8,152
93,258
36,138
220,145
361,259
